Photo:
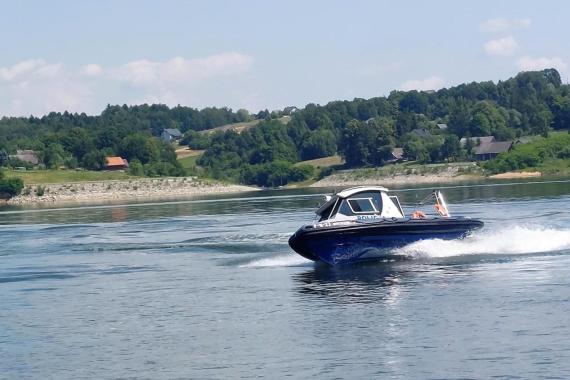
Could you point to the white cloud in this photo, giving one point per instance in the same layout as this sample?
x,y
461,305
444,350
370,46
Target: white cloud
x,y
501,24
38,87
179,71
91,70
527,63
432,83
35,87
502,46
21,69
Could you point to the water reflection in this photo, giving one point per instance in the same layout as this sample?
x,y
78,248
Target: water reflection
x,y
366,283
119,214
379,282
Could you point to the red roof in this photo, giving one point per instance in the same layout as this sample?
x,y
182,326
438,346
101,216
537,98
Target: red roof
x,y
115,161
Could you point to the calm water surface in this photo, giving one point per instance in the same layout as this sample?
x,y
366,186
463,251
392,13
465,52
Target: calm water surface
x,y
210,289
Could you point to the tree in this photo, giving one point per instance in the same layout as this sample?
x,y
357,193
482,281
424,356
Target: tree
x,y
138,147
94,160
53,156
4,158
469,146
416,150
451,147
321,143
367,143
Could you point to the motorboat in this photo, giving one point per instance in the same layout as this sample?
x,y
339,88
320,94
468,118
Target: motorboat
x,y
367,223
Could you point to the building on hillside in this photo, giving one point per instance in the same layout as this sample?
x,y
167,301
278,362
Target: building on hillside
x,y
116,163
29,156
489,150
477,140
290,110
442,126
170,134
397,155
422,133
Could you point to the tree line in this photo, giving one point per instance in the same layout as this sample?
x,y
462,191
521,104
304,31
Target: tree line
x,y
78,140
363,131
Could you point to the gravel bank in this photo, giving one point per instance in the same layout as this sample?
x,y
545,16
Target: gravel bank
x,y
144,188
358,177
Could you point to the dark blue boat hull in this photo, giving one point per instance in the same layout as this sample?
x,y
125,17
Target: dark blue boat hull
x,y
367,241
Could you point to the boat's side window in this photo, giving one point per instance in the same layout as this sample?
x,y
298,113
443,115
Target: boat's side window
x,y
362,205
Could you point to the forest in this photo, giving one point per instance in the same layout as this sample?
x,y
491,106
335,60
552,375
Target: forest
x,y
363,131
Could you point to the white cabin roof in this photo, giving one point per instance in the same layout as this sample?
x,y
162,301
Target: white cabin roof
x,y
347,193
353,190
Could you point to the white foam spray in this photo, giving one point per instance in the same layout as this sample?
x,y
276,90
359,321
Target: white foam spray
x,y
287,260
509,240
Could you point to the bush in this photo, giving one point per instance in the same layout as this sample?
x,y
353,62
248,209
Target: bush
x,y
40,191
157,169
273,174
136,168
325,172
10,187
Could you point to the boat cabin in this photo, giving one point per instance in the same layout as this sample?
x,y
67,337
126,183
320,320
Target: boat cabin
x,y
360,203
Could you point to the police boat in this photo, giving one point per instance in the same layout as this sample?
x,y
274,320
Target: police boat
x,y
367,223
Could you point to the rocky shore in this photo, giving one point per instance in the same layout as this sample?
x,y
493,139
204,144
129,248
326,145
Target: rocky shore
x,y
103,191
358,177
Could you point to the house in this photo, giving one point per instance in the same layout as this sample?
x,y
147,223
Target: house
x,y
290,110
397,154
489,150
29,156
422,133
442,126
116,163
477,140
171,134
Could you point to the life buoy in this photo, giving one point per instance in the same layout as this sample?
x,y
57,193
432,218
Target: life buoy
x,y
418,214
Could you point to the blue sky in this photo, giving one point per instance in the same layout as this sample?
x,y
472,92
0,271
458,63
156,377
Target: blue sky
x,y
81,55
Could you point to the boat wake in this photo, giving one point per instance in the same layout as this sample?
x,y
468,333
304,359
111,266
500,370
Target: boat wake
x,y
282,260
513,240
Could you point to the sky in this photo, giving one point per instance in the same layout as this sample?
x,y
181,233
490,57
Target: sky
x,y
80,56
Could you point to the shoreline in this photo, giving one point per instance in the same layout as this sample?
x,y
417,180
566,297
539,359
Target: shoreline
x,y
402,176
451,175
112,190
165,188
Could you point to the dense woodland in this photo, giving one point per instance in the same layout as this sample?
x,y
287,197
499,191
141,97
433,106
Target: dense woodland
x,y
363,131
79,140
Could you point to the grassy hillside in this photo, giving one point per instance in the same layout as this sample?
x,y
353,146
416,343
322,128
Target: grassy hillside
x,y
324,162
240,127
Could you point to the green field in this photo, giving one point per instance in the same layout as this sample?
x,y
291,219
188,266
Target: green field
x,y
189,162
324,162
61,176
240,127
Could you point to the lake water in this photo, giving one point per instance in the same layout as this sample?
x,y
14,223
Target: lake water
x,y
209,289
